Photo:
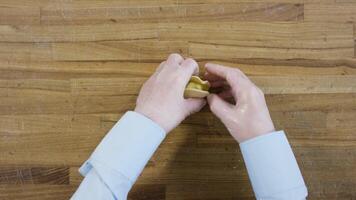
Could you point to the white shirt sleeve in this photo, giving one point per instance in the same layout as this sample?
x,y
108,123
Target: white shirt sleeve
x,y
272,168
119,159
121,156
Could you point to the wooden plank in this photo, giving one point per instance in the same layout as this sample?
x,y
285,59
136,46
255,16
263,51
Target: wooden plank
x,y
316,137
331,189
218,191
77,33
307,119
342,119
282,120
311,102
113,69
328,62
138,51
212,51
35,103
269,84
107,86
172,13
26,96
115,50
75,178
88,104
290,69
60,86
25,51
48,4
240,1
310,84
147,192
332,12
263,40
67,70
20,175
19,14
257,34
34,192
144,3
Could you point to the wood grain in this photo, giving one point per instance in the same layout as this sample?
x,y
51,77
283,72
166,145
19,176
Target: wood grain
x,y
77,33
332,12
70,69
19,14
263,40
125,51
34,175
165,13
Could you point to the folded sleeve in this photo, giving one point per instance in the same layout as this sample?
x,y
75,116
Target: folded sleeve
x,y
92,187
122,155
272,168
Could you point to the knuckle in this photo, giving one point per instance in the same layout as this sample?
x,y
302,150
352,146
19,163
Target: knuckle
x,y
190,65
175,56
191,61
254,91
230,76
238,71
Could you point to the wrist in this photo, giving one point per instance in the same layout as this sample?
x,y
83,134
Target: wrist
x,y
152,116
256,134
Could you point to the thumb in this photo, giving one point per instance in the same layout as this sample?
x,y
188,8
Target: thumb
x,y
219,107
194,105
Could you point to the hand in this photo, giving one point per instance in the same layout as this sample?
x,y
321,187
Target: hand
x,y
161,97
249,117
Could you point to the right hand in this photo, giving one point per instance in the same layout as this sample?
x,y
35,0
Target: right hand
x,y
249,117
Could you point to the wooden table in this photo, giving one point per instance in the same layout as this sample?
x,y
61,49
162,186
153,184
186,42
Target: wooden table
x,y
70,69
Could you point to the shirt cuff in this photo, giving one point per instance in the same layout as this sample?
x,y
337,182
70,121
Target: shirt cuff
x,y
92,187
125,151
272,167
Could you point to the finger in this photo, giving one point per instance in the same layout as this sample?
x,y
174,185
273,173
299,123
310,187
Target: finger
x,y
189,67
194,105
225,94
234,77
241,73
212,77
216,84
222,71
174,60
219,107
160,66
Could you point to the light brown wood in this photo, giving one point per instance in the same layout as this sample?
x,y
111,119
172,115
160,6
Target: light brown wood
x,y
174,12
70,69
19,14
341,11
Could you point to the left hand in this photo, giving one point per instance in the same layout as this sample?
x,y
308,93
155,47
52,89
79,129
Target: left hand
x,y
161,97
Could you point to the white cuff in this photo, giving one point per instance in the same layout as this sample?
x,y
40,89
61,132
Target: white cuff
x,y
125,150
272,167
